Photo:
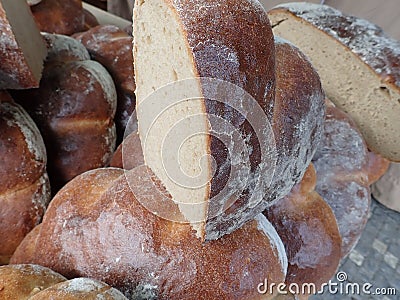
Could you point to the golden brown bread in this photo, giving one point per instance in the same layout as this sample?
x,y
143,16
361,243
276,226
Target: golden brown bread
x,y
96,228
308,229
112,47
377,167
342,166
74,109
24,185
59,16
35,282
23,281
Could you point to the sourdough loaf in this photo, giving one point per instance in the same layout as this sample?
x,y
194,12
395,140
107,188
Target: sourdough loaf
x,y
359,67
112,47
308,229
22,49
59,16
24,185
95,227
74,109
35,282
342,165
215,151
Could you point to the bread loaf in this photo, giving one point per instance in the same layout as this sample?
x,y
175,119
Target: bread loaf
x,y
35,282
129,153
96,228
74,108
358,64
112,47
215,151
377,167
24,185
22,49
308,229
59,16
342,166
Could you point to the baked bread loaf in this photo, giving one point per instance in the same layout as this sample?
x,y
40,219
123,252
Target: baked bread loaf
x,y
35,282
74,109
112,47
22,49
358,64
308,229
59,16
24,184
95,227
209,137
377,167
90,20
342,166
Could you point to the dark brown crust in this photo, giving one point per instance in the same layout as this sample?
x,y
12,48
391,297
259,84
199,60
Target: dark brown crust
x,y
247,38
24,185
23,281
98,228
90,20
74,109
59,16
341,162
15,72
308,229
112,47
365,39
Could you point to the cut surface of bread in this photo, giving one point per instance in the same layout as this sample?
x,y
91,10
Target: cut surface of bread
x,y
358,65
22,48
190,138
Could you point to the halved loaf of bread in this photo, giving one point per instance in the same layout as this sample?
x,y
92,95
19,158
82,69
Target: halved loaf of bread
x,y
22,48
359,67
212,127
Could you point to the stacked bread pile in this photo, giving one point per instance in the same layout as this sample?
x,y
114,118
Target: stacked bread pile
x,y
238,172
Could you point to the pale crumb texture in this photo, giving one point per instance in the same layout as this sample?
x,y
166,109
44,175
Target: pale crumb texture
x,y
358,63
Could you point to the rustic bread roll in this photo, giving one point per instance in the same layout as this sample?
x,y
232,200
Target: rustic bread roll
x,y
24,281
358,65
112,47
342,166
308,229
22,49
215,151
24,185
74,108
96,228
80,289
59,16
35,282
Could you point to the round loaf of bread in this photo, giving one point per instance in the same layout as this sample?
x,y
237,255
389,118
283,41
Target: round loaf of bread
x,y
24,185
308,229
112,47
342,166
24,281
96,228
74,109
59,16
129,153
34,282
